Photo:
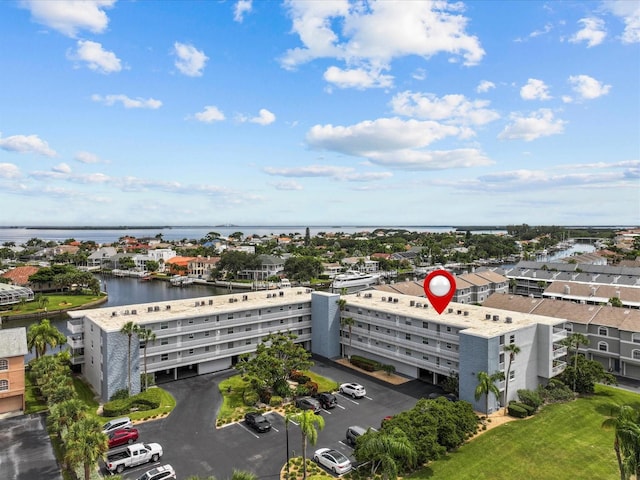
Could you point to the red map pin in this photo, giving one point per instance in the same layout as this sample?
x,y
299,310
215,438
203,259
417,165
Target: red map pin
x,y
440,286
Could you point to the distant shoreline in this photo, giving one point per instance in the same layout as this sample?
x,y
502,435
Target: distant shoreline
x,y
383,227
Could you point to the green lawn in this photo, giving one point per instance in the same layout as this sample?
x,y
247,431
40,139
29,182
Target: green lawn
x,y
33,403
56,302
563,441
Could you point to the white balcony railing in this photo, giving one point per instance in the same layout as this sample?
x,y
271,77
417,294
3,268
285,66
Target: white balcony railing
x,y
75,326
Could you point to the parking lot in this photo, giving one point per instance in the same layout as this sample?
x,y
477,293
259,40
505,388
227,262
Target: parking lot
x,y
193,446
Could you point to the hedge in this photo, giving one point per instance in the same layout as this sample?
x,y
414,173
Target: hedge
x,y
148,400
365,363
517,411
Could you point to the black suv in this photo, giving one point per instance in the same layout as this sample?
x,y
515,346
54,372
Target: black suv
x,y
257,421
327,400
353,433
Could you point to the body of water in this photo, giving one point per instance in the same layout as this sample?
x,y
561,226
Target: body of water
x,y
101,236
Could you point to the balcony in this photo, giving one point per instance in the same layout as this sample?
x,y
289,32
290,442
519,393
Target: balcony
x,y
559,352
558,367
558,334
75,341
77,360
75,326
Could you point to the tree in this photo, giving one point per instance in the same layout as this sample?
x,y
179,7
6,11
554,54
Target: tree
x,y
384,451
62,415
274,360
152,266
42,335
486,385
626,441
308,421
147,336
348,322
584,375
85,444
129,329
512,349
573,342
302,269
616,302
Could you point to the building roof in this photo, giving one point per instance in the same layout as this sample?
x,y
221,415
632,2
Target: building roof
x,y
471,319
111,319
595,292
13,342
605,315
20,275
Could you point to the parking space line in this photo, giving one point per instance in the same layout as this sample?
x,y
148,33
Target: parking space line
x,y
245,428
274,428
349,398
326,411
340,406
368,398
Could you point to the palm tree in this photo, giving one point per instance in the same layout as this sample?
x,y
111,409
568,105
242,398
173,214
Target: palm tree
x,y
513,350
486,385
626,443
243,475
146,335
308,421
129,329
573,342
384,450
43,334
85,444
349,322
64,414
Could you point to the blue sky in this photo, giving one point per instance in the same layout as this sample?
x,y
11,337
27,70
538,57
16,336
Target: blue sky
x,y
319,113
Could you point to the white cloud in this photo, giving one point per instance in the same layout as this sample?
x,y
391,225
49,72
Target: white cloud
x,y
127,102
71,16
535,90
592,32
61,168
520,180
540,123
359,78
454,108
97,58
537,33
265,117
27,144
485,86
629,12
368,37
241,8
9,170
287,185
87,157
587,87
190,61
210,114
337,173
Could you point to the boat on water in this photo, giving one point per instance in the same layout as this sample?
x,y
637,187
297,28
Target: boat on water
x,y
353,280
180,281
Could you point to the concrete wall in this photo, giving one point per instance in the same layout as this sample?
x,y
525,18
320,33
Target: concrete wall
x,y
92,368
214,365
116,363
474,360
325,324
13,399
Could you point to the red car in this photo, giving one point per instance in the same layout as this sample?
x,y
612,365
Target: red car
x,y
123,436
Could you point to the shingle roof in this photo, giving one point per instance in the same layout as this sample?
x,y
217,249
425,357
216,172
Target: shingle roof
x,y
20,275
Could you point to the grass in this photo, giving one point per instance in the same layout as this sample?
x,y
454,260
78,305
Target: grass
x,y
563,441
33,402
56,302
85,393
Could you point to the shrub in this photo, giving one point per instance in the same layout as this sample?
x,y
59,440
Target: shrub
x,y
517,411
312,387
148,400
250,397
116,408
530,397
527,408
555,391
365,363
120,394
275,401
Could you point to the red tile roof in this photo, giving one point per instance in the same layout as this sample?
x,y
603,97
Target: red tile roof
x,y
20,275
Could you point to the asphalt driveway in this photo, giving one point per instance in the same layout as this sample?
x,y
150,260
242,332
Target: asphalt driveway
x,y
25,449
193,445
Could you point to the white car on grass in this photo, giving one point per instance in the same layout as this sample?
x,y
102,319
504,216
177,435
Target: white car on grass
x,y
354,390
332,460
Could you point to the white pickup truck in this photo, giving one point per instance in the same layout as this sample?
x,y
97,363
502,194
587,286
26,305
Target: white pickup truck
x,y
133,455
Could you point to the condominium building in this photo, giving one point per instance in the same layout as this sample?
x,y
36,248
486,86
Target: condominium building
x,y
209,334
194,336
13,348
406,332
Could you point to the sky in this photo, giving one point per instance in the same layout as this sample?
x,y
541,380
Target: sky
x,y
319,112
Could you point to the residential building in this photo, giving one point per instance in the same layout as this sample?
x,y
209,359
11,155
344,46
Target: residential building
x,y
202,267
12,294
100,257
593,293
192,336
13,348
361,264
270,265
613,332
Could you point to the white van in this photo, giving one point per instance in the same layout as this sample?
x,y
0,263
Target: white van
x,y
117,424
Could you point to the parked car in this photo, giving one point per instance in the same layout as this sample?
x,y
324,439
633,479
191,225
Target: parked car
x,y
354,389
353,433
308,403
327,400
117,424
165,472
257,421
333,460
133,455
122,436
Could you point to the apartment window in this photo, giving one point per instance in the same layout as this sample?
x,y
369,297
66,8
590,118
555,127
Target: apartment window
x,y
449,329
425,341
191,351
635,337
230,345
230,316
281,321
4,364
501,358
407,352
164,325
407,322
568,327
191,335
207,348
425,357
512,375
512,339
206,319
247,315
164,341
449,346
247,329
92,327
501,339
207,333
229,330
299,319
299,307
4,385
635,354
407,336
603,346
300,332
190,320
164,356
247,342
603,331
